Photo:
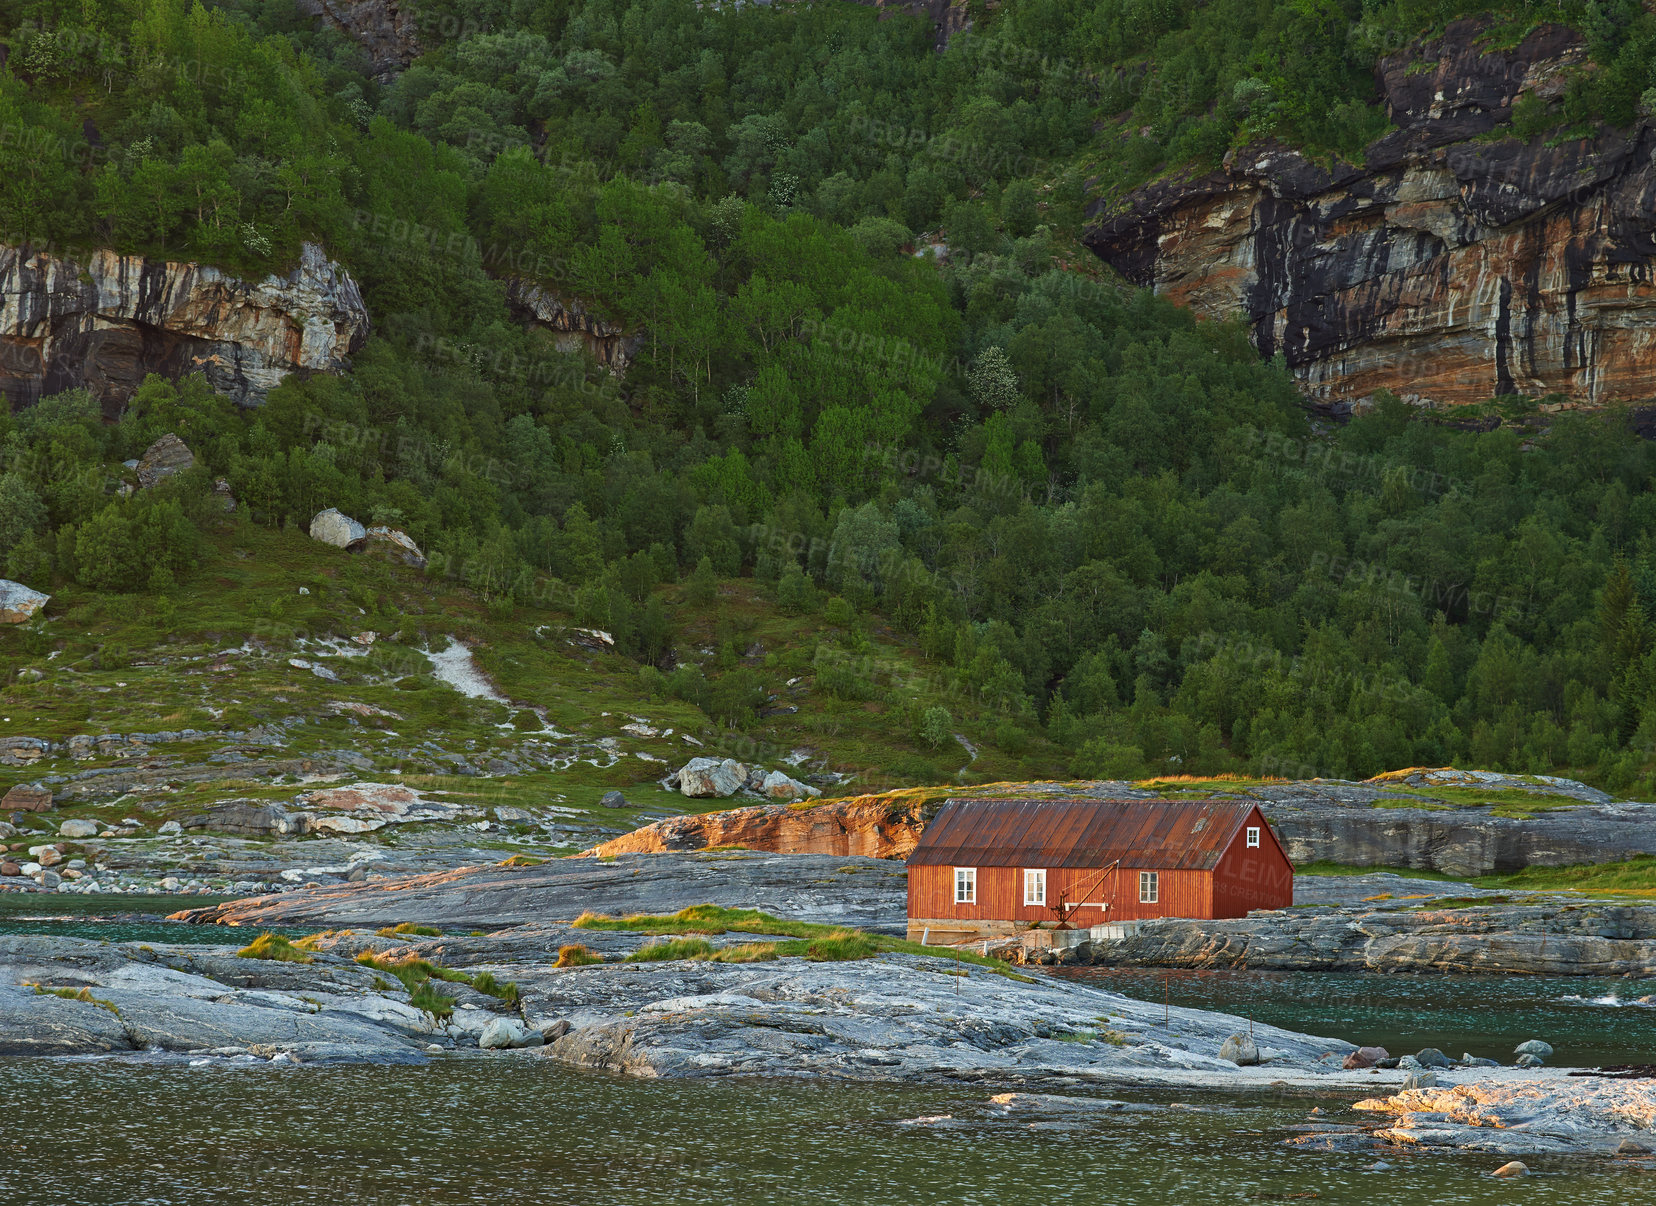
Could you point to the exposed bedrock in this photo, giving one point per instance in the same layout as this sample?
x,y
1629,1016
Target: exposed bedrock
x,y
1552,939
388,31
862,826
1351,823
854,892
572,327
109,320
1452,266
1464,842
948,17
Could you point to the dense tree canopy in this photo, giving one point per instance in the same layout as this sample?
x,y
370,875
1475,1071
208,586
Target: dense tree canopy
x,y
1112,521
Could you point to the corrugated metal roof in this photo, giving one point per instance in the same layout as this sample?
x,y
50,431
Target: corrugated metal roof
x,y
1174,835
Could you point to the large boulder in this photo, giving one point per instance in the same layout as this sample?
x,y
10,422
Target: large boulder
x,y
503,1033
27,797
163,459
1240,1050
78,828
246,817
777,786
711,778
336,528
1365,1057
18,603
393,544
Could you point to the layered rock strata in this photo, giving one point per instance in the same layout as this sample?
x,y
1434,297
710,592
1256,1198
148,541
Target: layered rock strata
x,y
573,328
387,31
1541,939
1457,263
108,321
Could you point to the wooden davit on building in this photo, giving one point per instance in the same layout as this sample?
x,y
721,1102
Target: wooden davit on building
x,y
998,866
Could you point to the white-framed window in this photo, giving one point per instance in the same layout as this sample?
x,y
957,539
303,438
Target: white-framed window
x,y
965,885
1035,886
1149,887
1253,836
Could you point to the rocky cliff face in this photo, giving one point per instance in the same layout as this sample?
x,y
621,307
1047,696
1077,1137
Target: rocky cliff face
x,y
948,17
863,826
106,322
1547,939
572,327
1454,265
387,31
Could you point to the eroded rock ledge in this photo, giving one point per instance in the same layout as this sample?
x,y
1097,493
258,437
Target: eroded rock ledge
x,y
1450,267
109,320
1554,939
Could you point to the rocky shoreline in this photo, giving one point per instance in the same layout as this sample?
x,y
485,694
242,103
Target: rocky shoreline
x,y
1554,938
1037,1045
496,989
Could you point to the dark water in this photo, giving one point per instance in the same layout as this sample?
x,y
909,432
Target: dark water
x,y
116,918
518,1129
1590,1022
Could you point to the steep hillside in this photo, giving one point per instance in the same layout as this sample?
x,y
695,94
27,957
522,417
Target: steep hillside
x,y
614,312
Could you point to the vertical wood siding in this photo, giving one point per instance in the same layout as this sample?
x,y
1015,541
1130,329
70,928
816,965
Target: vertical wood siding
x,y
1247,879
1244,879
1000,895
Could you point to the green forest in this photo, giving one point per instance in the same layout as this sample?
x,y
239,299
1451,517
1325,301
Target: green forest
x,y
1111,522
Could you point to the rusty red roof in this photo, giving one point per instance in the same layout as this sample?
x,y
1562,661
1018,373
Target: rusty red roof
x,y
1173,835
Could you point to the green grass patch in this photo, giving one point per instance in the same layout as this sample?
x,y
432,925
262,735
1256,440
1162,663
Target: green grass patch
x,y
703,919
1514,798
1322,867
1635,876
425,996
276,947
672,948
746,952
417,974
813,941
409,930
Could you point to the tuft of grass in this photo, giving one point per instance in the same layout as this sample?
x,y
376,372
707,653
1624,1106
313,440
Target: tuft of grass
x,y
672,948
409,929
70,994
486,983
313,942
576,955
844,946
275,947
416,973
522,860
425,996
747,952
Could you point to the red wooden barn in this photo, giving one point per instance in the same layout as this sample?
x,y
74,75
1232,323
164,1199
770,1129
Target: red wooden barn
x,y
996,866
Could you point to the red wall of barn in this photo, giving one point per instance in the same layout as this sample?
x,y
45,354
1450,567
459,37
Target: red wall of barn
x,y
1000,895
1242,880
1245,879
